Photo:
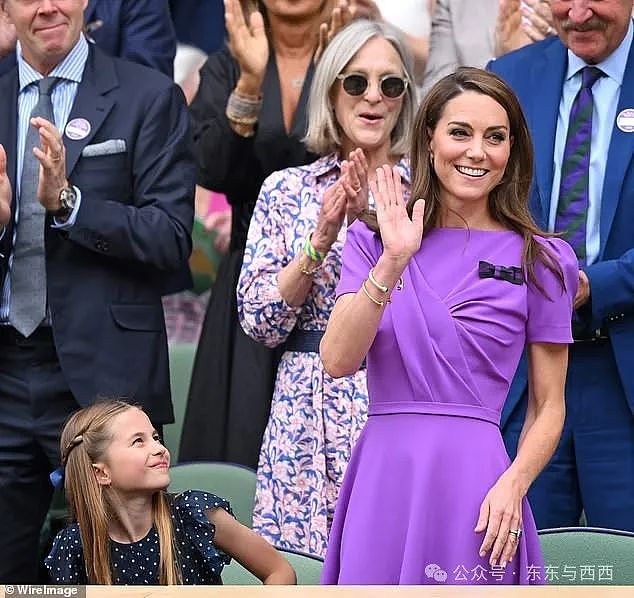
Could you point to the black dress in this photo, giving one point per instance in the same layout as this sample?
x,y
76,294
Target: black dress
x,y
233,376
201,562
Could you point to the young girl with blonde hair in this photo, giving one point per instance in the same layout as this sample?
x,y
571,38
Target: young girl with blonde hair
x,y
126,528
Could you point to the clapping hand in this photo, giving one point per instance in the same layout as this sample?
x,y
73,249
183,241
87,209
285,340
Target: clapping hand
x,y
5,190
521,22
508,28
401,236
52,157
247,41
331,215
354,178
340,16
537,19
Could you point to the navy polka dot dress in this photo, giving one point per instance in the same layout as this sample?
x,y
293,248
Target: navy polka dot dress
x,y
137,563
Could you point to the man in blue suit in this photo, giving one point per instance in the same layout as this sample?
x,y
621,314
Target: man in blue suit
x,y
137,30
593,468
99,226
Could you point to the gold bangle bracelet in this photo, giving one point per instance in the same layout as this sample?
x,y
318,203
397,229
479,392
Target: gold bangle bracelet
x,y
306,271
381,287
375,301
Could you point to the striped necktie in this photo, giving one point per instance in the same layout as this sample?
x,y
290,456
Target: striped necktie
x,y
572,209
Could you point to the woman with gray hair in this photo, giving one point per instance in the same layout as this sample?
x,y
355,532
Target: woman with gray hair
x,y
361,111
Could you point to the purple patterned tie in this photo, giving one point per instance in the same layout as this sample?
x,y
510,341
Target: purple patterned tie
x,y
572,209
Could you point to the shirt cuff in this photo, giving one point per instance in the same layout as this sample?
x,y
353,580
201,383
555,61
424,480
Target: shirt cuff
x,y
73,215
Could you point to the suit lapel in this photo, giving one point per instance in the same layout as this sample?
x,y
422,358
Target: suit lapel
x,y
619,156
547,76
91,104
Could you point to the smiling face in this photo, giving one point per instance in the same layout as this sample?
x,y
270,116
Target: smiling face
x,y
135,461
471,145
592,29
367,120
47,29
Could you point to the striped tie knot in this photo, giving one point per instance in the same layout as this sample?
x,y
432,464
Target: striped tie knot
x,y
590,75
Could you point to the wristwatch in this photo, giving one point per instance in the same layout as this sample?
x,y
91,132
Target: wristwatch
x,y
67,201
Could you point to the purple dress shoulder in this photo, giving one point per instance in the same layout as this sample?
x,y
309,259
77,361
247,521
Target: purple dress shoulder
x,y
438,374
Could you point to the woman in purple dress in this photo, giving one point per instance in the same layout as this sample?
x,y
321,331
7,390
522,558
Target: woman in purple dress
x,y
442,295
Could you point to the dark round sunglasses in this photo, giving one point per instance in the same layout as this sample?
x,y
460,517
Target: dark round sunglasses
x,y
391,86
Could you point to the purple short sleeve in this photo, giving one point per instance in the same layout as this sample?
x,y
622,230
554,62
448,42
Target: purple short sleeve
x,y
550,314
361,251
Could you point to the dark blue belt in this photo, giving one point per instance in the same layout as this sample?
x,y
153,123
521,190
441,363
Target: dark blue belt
x,y
304,341
307,341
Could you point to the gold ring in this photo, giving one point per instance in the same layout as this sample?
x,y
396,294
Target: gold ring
x,y
357,190
516,532
549,30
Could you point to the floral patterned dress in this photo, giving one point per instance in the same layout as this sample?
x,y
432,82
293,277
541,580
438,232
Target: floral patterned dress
x,y
315,420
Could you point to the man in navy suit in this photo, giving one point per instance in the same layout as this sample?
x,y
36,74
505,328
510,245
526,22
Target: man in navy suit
x,y
593,468
113,186
137,30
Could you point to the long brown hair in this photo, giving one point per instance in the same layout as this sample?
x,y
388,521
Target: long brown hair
x,y
85,439
508,202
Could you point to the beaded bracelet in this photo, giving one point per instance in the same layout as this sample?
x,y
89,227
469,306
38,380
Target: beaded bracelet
x,y
311,252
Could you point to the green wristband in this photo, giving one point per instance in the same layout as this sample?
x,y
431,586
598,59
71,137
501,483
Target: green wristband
x,y
311,252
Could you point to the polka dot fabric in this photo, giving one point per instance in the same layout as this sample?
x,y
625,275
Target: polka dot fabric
x,y
137,563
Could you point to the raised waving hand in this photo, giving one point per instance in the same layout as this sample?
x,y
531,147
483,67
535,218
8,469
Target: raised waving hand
x,y
400,234
247,41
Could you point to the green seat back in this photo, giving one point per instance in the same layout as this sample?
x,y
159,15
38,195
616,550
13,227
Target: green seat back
x,y
181,358
587,556
308,569
232,482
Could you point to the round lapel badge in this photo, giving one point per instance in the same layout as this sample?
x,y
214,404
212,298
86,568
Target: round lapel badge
x,y
625,120
78,128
